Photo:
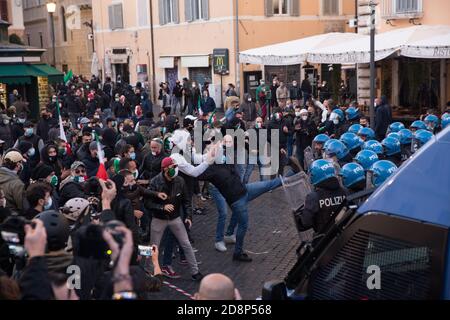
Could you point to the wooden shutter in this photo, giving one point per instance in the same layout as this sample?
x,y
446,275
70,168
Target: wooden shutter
x,y
205,9
268,8
111,17
118,16
188,14
176,13
161,11
294,9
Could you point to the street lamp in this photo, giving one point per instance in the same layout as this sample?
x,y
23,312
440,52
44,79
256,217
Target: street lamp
x,y
51,8
91,26
372,6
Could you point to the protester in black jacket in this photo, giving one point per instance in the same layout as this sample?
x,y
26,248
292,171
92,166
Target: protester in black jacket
x,y
383,118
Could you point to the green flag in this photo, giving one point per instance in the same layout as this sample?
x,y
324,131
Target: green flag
x,y
68,76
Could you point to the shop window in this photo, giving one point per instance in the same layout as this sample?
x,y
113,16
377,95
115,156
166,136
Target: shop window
x,y
200,75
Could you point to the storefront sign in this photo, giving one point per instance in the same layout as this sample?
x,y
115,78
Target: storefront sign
x,y
221,61
43,92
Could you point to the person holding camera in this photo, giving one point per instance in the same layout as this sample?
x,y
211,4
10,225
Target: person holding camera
x,y
167,213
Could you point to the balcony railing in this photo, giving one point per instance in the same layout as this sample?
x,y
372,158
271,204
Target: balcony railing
x,y
401,9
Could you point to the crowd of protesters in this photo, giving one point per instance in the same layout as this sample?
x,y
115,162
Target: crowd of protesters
x,y
101,182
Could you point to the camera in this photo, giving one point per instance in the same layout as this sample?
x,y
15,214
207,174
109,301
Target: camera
x,y
145,251
91,244
13,233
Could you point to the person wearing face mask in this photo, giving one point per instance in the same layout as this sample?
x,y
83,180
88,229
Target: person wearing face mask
x,y
72,186
49,156
177,96
92,161
83,149
5,131
295,92
305,131
273,93
128,152
39,198
249,111
10,182
35,140
27,150
167,213
122,109
43,127
151,166
207,104
195,96
46,175
17,129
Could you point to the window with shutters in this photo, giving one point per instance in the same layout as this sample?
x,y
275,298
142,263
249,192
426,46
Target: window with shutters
x,y
115,12
282,7
168,11
398,9
196,10
330,7
4,10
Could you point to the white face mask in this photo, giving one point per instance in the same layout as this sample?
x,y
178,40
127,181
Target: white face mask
x,y
298,114
48,204
249,99
336,121
304,118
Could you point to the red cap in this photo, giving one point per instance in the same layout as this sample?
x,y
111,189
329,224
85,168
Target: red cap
x,y
167,162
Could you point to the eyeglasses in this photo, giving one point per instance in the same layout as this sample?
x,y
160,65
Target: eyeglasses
x,y
80,171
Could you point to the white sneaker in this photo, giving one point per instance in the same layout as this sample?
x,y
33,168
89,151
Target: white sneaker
x,y
230,239
220,246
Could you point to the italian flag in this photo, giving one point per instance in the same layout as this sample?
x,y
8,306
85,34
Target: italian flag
x,y
62,133
212,118
101,173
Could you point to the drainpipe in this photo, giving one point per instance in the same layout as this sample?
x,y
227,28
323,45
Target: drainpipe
x,y
153,86
236,36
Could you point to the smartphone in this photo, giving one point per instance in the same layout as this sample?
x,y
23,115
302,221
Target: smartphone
x,y
145,251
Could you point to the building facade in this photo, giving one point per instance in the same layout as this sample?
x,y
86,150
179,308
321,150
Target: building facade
x,y
11,11
73,44
411,85
186,33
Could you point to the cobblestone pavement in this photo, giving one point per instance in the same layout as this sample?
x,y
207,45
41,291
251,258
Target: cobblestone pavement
x,y
271,241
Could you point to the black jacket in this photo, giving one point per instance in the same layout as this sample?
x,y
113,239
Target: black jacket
x,y
151,165
44,126
92,165
322,204
278,125
178,196
305,131
295,93
225,178
69,190
34,283
383,119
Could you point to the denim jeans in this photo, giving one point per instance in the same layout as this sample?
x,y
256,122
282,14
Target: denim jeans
x,y
240,208
222,208
290,145
245,171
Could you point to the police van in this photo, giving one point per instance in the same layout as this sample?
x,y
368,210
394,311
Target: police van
x,y
395,246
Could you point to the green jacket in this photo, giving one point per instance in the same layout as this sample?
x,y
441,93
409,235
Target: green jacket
x,y
267,90
14,190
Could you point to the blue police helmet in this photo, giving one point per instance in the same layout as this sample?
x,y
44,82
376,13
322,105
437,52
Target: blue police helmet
x,y
327,143
336,148
366,158
321,170
405,136
321,138
382,170
432,119
368,133
391,146
394,135
418,125
445,120
354,128
374,146
396,127
340,114
352,173
422,137
352,113
351,140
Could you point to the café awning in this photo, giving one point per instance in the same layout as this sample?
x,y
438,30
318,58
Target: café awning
x,y
294,52
23,73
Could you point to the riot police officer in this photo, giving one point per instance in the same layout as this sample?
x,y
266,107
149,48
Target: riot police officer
x,y
405,143
326,200
392,150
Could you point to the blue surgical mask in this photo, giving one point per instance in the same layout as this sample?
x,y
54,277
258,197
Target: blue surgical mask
x,y
48,204
133,156
21,120
29,132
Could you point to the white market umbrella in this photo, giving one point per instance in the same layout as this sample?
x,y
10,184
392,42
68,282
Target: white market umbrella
x,y
108,67
293,52
436,46
386,44
94,65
